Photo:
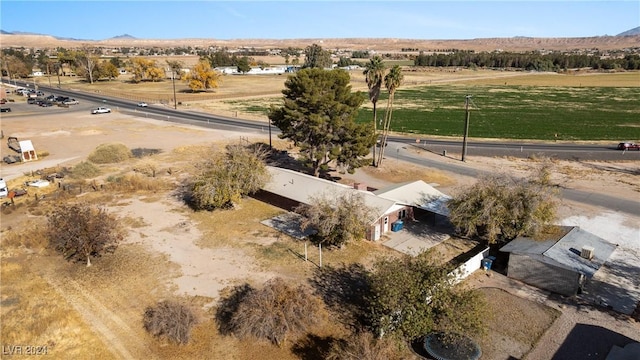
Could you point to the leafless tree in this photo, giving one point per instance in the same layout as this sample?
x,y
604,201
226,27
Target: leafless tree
x,y
80,231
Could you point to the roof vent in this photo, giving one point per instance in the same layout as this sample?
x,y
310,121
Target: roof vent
x,y
587,252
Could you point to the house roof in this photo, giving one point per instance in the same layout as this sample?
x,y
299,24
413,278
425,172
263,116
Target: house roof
x,y
302,188
418,194
566,251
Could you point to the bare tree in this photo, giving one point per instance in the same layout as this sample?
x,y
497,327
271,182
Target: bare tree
x,y
80,231
170,319
87,61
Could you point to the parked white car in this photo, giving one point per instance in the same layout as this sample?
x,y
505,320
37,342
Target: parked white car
x,y
71,102
101,110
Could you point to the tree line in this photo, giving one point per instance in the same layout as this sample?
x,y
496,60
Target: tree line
x,y
555,61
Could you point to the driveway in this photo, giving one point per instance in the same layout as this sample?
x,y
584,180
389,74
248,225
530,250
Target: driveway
x,y
415,237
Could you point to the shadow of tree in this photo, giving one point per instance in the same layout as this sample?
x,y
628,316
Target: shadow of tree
x,y
228,306
141,152
346,291
613,169
313,347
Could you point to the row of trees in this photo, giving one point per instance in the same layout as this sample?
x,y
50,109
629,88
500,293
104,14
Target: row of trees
x,y
554,61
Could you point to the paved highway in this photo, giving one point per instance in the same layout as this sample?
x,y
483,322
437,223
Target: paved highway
x,y
397,145
485,148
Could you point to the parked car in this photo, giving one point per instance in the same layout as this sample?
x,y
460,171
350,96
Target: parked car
x,y
100,110
46,104
628,146
142,104
71,102
5,109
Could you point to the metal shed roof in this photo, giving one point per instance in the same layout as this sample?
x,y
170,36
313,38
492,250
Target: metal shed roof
x,y
566,251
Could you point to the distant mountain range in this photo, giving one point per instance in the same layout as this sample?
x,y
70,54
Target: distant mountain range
x,y
626,40
631,32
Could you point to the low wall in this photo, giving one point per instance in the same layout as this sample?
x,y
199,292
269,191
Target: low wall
x,y
470,265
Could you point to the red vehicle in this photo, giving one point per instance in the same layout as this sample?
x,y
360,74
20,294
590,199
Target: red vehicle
x,y
628,146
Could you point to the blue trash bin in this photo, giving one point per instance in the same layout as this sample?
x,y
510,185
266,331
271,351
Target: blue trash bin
x,y
486,263
397,226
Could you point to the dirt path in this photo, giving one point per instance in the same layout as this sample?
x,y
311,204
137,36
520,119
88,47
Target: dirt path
x,y
118,336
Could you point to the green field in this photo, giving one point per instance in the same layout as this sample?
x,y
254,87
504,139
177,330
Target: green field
x,y
517,112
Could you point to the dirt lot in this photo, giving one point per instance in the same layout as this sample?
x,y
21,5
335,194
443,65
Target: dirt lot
x,y
172,251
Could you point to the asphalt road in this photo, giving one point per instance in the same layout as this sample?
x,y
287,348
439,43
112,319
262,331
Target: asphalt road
x,y
396,145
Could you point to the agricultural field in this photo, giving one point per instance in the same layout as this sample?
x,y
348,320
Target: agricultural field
x,y
431,102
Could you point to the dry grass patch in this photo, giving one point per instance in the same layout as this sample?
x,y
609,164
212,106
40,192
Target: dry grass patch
x,y
33,313
237,227
516,325
392,173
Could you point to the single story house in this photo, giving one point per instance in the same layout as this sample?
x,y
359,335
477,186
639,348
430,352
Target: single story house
x,y
288,189
561,265
418,194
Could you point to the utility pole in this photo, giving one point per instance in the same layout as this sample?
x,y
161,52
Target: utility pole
x,y
173,79
270,147
467,100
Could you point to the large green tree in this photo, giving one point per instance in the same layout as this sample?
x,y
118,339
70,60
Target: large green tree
x,y
318,115
412,296
316,57
373,75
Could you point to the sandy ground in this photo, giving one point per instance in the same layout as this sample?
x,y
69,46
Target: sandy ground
x,y
69,135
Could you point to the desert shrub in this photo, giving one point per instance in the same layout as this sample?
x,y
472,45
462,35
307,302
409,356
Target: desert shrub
x,y
273,312
224,180
170,319
85,170
336,218
500,208
364,346
80,231
134,182
110,154
147,167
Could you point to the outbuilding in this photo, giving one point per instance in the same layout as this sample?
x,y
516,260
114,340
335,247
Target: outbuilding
x,y
562,264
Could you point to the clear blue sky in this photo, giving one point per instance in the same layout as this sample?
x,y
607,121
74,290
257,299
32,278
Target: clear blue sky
x,y
98,20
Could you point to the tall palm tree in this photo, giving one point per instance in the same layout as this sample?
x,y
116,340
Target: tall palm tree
x,y
374,74
392,82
